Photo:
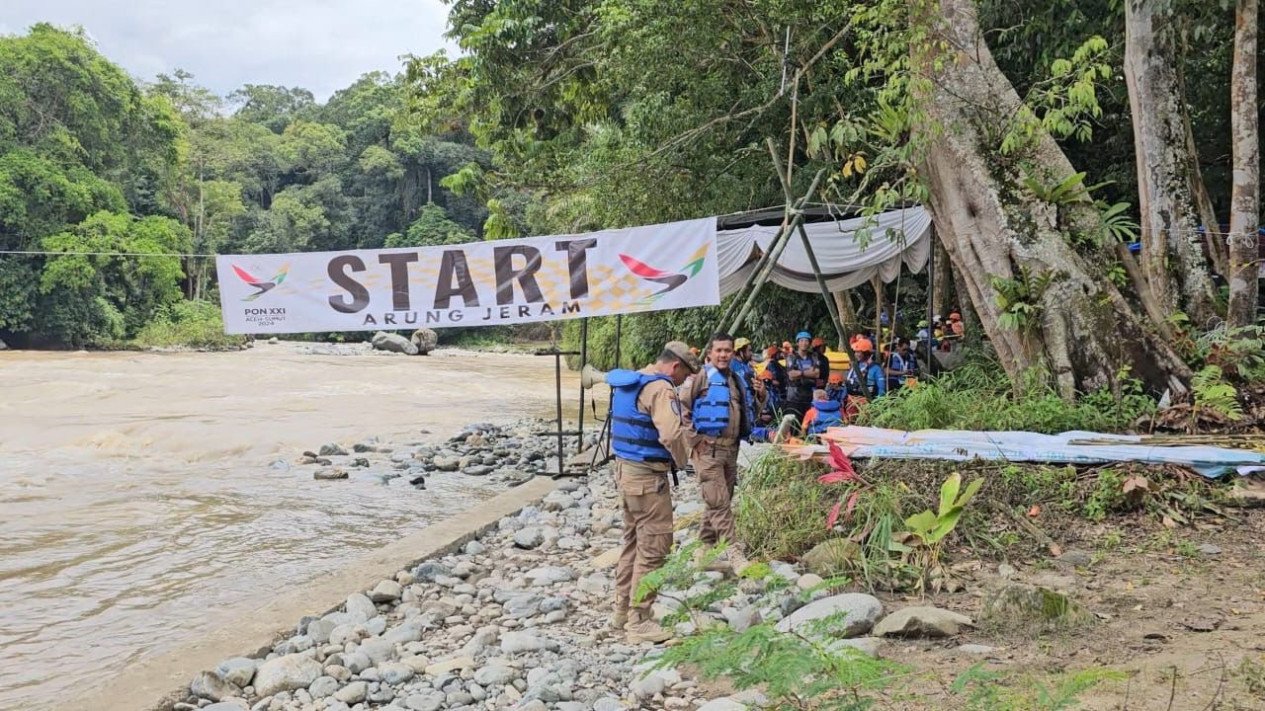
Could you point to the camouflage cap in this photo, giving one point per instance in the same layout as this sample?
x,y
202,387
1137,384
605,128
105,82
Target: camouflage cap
x,y
681,350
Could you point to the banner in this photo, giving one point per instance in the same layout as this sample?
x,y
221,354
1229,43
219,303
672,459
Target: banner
x,y
649,268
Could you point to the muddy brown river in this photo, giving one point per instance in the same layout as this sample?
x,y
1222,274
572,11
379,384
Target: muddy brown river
x,y
138,508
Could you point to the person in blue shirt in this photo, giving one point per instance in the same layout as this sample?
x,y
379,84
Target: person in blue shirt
x,y
875,384
902,365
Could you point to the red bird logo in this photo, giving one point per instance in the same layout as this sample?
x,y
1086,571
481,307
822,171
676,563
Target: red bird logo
x,y
645,271
263,286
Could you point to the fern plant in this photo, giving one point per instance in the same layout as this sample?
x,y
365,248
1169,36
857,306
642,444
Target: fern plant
x,y
1020,299
1213,394
805,669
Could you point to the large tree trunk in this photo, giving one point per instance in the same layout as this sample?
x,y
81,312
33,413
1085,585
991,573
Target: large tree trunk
x,y
1245,197
1168,170
1084,332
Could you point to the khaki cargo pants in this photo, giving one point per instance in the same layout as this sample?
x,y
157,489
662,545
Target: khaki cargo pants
x,y
717,469
646,499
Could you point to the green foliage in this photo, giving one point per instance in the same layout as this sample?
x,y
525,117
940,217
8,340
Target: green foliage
x,y
431,228
930,527
1239,352
195,324
983,690
1108,495
1212,393
1020,299
978,396
779,507
921,549
118,294
801,670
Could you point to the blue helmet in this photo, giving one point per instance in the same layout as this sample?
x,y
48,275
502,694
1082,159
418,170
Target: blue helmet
x,y
805,335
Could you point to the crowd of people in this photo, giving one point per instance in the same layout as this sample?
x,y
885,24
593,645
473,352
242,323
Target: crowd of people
x,y
692,408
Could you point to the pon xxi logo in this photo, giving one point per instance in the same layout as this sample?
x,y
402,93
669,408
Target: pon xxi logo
x,y
263,286
671,281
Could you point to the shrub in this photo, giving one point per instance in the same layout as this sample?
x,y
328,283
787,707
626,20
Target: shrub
x,y
195,324
979,396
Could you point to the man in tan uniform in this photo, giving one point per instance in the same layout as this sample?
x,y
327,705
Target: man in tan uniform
x,y
720,411
650,438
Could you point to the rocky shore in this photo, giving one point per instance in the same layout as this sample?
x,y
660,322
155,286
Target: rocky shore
x,y
518,619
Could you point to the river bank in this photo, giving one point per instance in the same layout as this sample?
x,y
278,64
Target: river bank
x,y
147,498
517,619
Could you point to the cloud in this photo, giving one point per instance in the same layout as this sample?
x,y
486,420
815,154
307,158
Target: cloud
x,y
320,45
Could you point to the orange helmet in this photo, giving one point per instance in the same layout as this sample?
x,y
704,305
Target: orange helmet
x,y
836,378
955,316
863,344
766,374
771,351
819,341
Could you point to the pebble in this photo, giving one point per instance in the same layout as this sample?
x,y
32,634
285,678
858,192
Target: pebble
x,y
505,621
386,591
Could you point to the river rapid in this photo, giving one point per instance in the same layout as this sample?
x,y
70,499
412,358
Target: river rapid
x,y
138,506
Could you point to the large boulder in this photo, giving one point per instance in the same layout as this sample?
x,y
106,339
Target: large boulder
x,y
833,557
1017,604
424,340
288,673
393,343
922,622
859,613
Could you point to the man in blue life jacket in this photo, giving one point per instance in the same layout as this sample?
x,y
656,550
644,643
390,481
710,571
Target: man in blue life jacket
x,y
825,413
721,413
651,438
802,371
875,381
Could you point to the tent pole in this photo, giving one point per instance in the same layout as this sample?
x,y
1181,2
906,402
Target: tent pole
x,y
931,290
775,254
812,260
759,267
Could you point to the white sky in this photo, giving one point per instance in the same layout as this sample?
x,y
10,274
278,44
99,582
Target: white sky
x,y
320,45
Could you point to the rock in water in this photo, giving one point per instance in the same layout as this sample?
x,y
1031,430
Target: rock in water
x,y
833,557
860,612
288,673
424,340
922,622
1033,605
393,343
332,450
210,685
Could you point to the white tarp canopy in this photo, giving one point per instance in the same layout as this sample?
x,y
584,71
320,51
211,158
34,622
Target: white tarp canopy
x,y
896,237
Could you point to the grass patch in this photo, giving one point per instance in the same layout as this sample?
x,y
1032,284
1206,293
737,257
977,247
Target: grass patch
x,y
782,509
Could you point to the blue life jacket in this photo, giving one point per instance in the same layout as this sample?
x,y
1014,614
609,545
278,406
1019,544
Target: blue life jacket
x,y
746,376
827,416
711,410
633,434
